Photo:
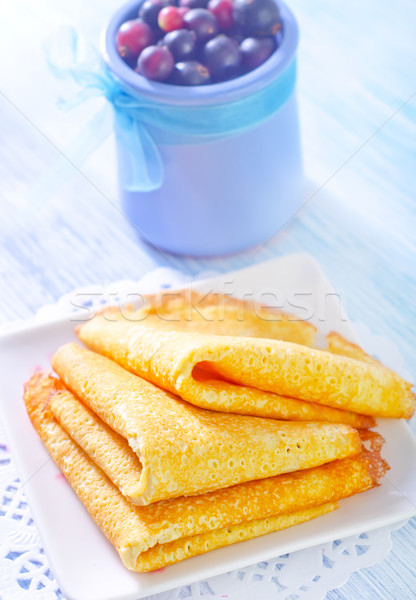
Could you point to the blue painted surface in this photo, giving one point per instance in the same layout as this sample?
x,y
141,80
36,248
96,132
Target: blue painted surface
x,y
357,86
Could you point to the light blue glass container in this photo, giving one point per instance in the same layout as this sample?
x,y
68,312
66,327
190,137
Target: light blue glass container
x,y
224,192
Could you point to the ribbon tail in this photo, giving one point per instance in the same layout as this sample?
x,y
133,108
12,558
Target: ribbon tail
x,y
141,166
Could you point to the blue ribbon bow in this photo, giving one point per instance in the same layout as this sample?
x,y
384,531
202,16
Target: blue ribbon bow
x,y
142,124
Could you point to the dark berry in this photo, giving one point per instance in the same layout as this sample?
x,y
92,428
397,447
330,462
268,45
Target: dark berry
x,y
149,11
202,22
236,33
132,37
181,43
193,3
170,19
222,56
256,51
155,63
257,17
190,72
223,12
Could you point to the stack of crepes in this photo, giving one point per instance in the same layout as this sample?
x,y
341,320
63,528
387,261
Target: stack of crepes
x,y
194,423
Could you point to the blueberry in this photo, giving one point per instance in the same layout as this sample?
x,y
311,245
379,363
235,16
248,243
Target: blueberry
x,y
181,43
257,17
222,56
202,23
256,51
155,63
190,72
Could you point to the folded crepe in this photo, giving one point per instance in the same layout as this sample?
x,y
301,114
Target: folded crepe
x,y
151,537
220,395
337,344
227,373
219,314
183,449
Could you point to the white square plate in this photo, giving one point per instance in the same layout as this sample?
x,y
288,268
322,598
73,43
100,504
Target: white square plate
x,y
85,564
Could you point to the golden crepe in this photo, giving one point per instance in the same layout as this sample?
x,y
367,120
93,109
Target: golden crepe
x,y
225,373
151,537
218,314
339,345
226,397
183,449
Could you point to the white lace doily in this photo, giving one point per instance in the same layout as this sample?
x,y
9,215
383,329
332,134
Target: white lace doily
x,y
305,575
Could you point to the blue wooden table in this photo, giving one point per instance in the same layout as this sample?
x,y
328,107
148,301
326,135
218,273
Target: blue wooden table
x,y
61,227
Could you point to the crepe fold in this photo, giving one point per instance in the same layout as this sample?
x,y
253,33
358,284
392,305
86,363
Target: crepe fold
x,y
228,373
216,394
108,449
151,537
219,314
182,449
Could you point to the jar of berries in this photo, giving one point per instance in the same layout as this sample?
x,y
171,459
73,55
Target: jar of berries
x,y
208,141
